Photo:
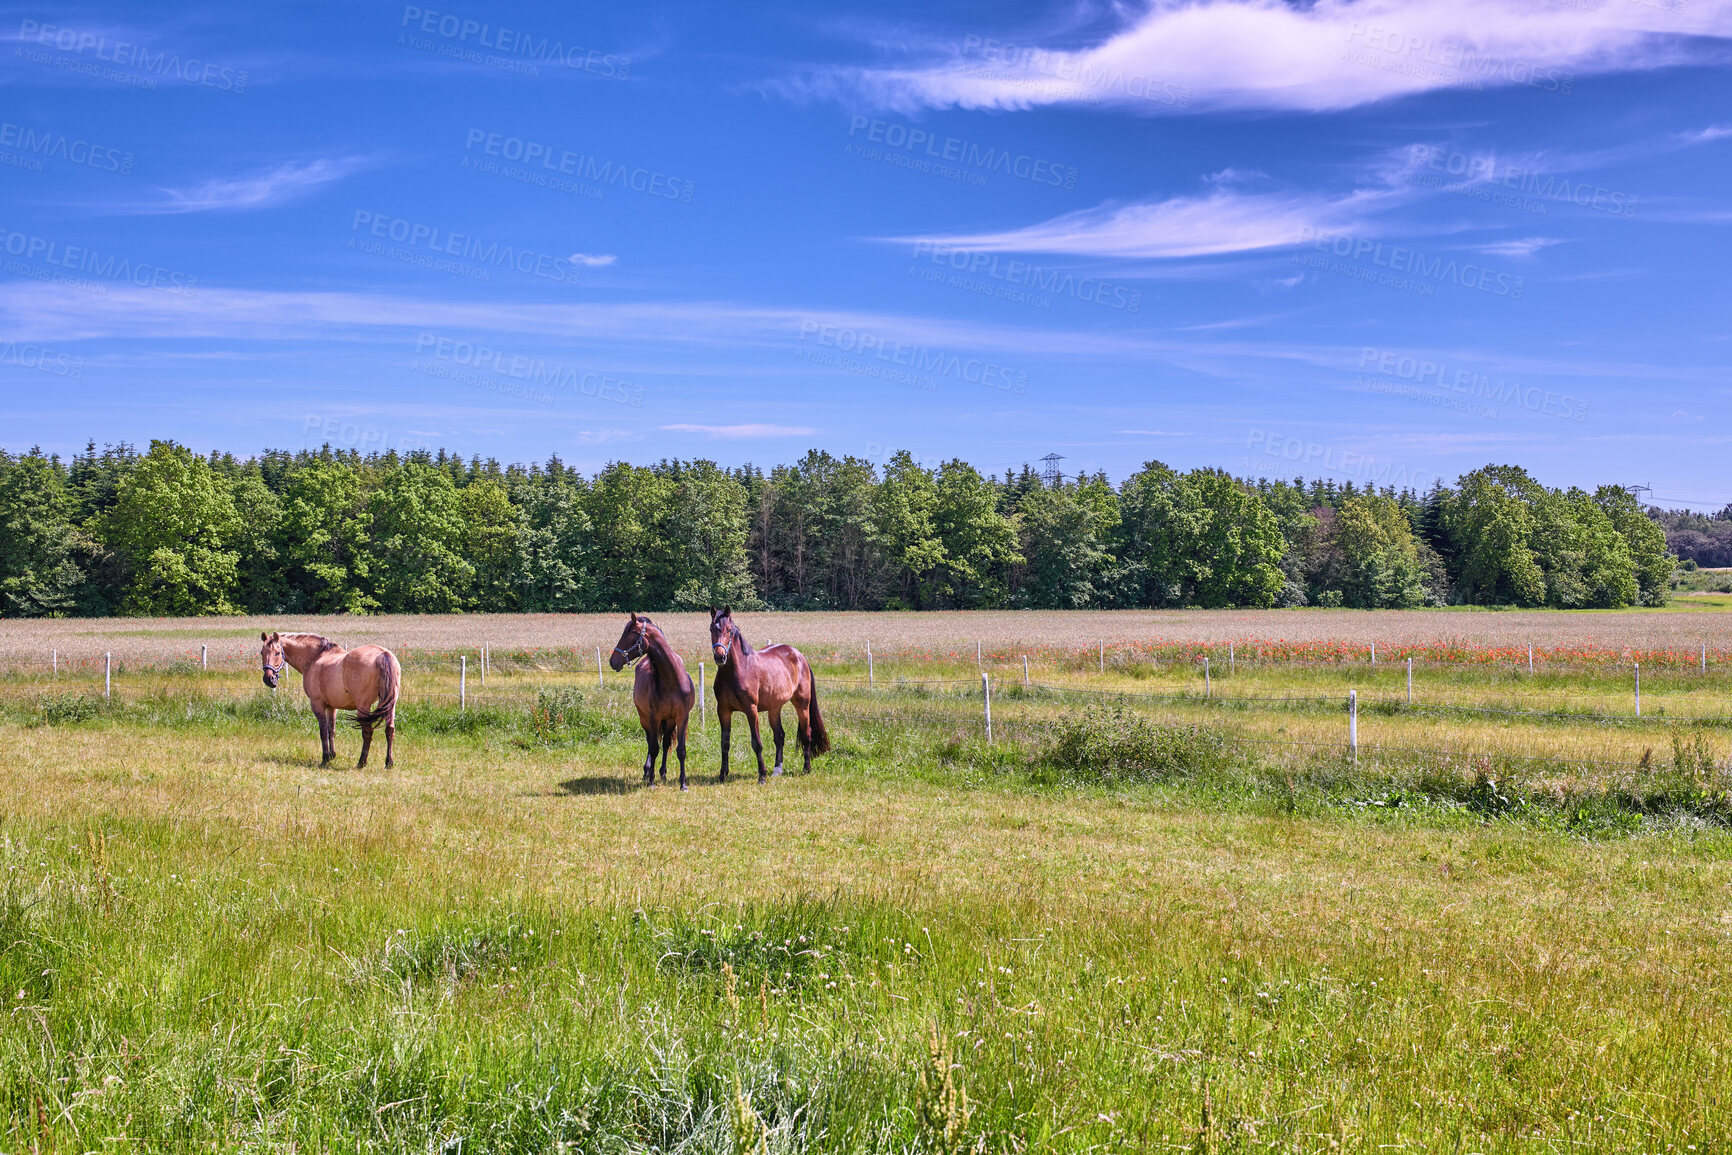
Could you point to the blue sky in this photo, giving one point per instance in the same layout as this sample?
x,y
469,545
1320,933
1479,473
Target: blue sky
x,y
1381,241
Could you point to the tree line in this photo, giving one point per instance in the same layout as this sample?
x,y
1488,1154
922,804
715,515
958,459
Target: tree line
x,y
170,532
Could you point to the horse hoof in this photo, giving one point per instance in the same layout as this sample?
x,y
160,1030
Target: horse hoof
x,y
387,763
778,772
682,787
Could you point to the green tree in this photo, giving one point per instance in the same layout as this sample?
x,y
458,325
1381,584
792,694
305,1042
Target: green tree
x,y
324,541
980,544
490,528
39,575
417,538
1650,561
904,523
174,522
708,523
1066,531
1377,562
1489,524
554,543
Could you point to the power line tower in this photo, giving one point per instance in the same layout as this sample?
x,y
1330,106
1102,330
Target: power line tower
x,y
1051,474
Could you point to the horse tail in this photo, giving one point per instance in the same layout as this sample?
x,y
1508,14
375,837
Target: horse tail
x,y
817,738
390,681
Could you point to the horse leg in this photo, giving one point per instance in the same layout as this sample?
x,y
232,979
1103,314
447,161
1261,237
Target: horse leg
x,y
327,740
366,744
649,762
803,730
390,737
781,738
757,741
667,742
682,752
727,721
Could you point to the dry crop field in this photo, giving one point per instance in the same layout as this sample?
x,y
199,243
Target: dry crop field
x,y
1159,910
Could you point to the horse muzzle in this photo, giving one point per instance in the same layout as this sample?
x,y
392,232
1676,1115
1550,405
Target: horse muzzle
x,y
270,681
721,654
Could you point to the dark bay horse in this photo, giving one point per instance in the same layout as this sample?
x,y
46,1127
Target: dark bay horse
x,y
662,691
365,679
749,680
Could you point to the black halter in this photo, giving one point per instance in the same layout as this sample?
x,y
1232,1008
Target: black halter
x,y
639,648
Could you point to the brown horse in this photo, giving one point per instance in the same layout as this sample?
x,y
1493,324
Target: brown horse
x,y
365,680
662,692
750,680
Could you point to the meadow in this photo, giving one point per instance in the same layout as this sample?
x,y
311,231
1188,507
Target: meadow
x,y
1157,911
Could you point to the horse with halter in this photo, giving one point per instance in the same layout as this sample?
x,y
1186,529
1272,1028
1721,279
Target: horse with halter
x,y
365,680
749,680
661,690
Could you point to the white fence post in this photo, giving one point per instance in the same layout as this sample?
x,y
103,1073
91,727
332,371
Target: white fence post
x,y
483,665
986,697
977,666
1410,681
1638,689
1208,687
870,683
1353,722
204,657
463,682
107,675
1704,657
599,684
56,654
1374,653
1103,656
1530,659
1229,659
1025,669
702,721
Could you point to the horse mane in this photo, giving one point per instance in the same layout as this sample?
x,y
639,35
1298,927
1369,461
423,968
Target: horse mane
x,y
325,644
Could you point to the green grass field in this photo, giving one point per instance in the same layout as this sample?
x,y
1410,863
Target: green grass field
x,y
1199,924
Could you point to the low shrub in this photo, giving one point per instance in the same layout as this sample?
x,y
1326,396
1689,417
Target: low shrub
x,y
1108,744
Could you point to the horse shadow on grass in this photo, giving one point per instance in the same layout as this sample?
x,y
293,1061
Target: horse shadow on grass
x,y
594,785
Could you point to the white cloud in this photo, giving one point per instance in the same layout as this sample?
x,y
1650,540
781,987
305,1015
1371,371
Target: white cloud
x,y
603,436
1153,433
737,431
1179,55
1518,247
283,183
1223,220
593,260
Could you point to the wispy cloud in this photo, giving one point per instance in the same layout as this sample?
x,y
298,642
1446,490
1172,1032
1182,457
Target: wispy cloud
x,y
603,436
593,260
1153,433
1225,220
260,190
1174,56
734,432
1517,247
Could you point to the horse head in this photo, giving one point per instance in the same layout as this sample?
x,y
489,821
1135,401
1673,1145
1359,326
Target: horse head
x,y
271,657
632,643
723,631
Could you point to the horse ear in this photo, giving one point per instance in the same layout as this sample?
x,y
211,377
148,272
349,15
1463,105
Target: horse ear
x,y
727,611
264,637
